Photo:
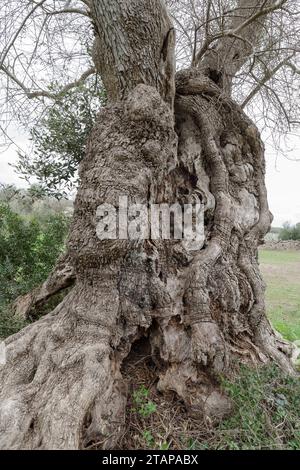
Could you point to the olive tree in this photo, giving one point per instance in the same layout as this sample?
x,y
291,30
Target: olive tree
x,y
169,134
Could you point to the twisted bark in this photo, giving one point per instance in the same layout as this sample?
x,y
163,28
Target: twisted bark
x,y
199,310
134,44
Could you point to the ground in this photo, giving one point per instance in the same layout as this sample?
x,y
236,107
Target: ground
x,y
281,271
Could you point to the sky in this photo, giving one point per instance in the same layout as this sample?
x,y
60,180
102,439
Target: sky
x,y
283,185
282,178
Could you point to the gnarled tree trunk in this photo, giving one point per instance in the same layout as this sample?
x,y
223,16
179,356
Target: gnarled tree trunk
x,y
200,310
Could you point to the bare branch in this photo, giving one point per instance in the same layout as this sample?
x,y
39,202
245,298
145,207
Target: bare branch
x,y
209,41
6,51
269,74
259,14
235,32
294,68
46,94
78,11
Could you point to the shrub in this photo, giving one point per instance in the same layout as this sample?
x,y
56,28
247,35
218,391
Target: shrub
x,y
29,248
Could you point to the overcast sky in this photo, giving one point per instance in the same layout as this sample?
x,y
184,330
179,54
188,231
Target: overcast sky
x,y
283,184
283,179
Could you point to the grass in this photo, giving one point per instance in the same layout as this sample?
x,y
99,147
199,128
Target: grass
x,y
279,257
266,414
281,271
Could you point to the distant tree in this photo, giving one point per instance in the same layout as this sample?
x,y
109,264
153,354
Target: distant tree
x,y
34,201
290,232
8,192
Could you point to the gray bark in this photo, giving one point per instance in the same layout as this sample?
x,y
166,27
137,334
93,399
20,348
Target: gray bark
x,y
199,311
134,44
62,277
226,56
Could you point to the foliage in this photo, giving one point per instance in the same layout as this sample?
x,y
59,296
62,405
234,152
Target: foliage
x,y
59,139
290,232
149,439
144,406
275,230
29,247
145,409
9,323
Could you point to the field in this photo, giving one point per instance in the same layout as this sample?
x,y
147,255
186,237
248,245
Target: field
x,y
281,272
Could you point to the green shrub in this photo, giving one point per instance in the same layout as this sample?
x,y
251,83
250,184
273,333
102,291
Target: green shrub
x,y
29,248
60,137
144,406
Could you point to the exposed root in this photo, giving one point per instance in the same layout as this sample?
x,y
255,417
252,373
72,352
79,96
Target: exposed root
x,y
60,386
62,277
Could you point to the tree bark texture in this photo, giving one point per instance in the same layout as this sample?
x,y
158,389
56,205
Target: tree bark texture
x,y
199,311
62,277
134,44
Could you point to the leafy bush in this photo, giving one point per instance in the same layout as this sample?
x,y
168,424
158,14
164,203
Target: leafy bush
x,y
29,248
144,406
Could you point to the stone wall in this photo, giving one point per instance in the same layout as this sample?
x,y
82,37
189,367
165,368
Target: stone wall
x,y
289,245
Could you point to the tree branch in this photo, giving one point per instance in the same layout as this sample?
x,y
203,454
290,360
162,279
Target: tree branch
x,y
293,67
46,94
268,75
260,13
69,10
6,51
235,32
